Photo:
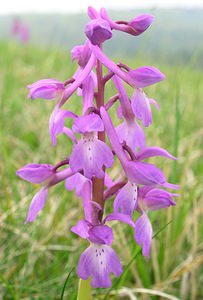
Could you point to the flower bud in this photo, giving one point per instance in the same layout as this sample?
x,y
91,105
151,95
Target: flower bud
x,y
47,89
35,173
141,23
98,31
155,198
146,76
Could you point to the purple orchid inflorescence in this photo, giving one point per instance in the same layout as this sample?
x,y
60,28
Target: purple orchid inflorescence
x,y
141,185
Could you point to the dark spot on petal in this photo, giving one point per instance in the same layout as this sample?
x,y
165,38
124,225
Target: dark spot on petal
x,y
102,250
101,262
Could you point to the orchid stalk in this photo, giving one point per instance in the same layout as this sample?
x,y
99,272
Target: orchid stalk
x,y
96,141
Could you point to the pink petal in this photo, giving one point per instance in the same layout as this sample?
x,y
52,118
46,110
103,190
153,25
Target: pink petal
x,y
119,217
56,122
92,13
144,173
143,234
126,199
37,204
88,123
101,234
141,107
153,151
83,188
81,229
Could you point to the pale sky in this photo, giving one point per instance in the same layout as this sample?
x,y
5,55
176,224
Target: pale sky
x,y
71,6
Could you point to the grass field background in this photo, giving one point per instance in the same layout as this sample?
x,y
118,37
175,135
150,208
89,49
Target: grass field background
x,y
35,259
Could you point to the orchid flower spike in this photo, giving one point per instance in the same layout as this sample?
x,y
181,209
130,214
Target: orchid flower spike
x,y
139,186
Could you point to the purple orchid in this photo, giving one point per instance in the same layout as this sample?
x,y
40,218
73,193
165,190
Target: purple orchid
x,y
149,199
139,184
20,30
129,131
90,154
99,259
136,171
48,176
126,200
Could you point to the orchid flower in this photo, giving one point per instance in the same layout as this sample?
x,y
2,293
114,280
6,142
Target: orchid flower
x,y
99,259
139,186
90,154
149,199
42,174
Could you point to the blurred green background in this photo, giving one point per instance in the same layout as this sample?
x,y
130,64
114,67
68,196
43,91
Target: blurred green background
x,y
35,259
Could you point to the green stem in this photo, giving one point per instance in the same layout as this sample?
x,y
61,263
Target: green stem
x,y
84,290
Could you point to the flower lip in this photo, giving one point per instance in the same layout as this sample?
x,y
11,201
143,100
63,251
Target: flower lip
x,y
97,262
98,31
